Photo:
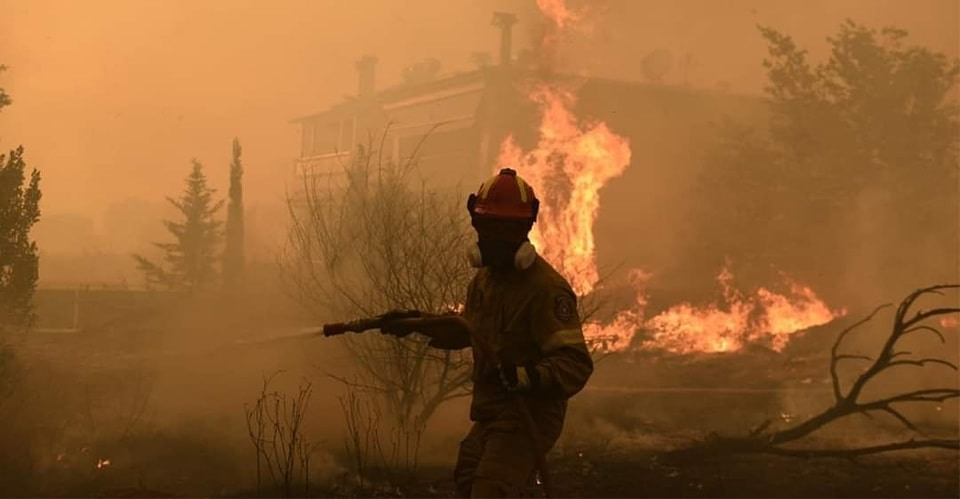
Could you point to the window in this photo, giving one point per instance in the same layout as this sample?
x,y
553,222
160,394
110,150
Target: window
x,y
326,138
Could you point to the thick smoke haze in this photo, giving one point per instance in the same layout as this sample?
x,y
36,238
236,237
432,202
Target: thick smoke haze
x,y
113,98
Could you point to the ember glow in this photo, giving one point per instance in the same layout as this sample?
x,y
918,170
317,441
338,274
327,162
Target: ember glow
x,y
950,321
453,308
571,163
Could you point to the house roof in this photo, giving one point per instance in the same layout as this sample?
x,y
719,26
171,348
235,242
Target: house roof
x,y
398,94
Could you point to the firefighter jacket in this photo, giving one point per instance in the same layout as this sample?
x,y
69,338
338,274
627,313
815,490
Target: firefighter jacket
x,y
529,317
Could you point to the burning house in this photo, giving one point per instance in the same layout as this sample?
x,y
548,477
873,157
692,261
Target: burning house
x,y
554,128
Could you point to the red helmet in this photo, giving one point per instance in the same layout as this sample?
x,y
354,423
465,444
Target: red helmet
x,y
504,195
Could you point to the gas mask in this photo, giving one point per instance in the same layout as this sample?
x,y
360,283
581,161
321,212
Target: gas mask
x,y
498,254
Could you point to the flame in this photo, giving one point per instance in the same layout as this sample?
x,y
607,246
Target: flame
x,y
102,463
766,318
618,334
570,164
556,11
783,316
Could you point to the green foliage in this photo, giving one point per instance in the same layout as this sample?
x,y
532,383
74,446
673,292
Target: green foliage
x,y
233,262
868,137
19,211
190,262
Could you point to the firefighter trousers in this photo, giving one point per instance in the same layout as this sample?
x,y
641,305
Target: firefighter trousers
x,y
496,459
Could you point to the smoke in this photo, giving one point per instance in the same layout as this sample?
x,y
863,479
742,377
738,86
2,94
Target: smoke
x,y
161,390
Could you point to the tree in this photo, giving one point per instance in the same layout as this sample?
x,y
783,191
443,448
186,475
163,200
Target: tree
x,y
4,98
861,154
367,242
19,262
233,261
191,260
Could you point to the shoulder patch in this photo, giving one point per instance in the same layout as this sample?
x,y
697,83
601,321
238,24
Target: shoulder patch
x,y
564,308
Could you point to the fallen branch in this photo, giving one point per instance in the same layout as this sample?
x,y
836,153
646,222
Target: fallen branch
x,y
759,441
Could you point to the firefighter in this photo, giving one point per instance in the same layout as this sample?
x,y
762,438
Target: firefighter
x,y
527,313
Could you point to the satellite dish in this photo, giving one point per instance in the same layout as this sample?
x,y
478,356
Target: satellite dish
x,y
656,65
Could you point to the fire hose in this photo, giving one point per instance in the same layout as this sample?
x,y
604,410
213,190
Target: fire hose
x,y
455,321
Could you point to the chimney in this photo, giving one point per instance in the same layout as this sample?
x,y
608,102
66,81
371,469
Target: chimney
x,y
366,70
505,21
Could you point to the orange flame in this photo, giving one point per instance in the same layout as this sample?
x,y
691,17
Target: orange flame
x,y
558,13
618,334
767,317
783,316
571,163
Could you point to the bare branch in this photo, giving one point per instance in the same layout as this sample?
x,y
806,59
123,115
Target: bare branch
x,y
374,240
927,395
903,419
900,326
921,316
761,428
921,362
835,357
912,297
926,328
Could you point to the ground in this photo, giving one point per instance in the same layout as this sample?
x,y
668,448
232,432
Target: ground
x,y
931,474
614,440
927,474
638,474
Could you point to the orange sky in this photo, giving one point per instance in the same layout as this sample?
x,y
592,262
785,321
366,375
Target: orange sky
x,y
113,97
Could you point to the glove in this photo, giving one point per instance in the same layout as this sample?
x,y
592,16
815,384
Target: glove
x,y
516,379
391,323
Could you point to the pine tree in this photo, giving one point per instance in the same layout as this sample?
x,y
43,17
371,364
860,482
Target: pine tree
x,y
233,262
19,262
191,260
